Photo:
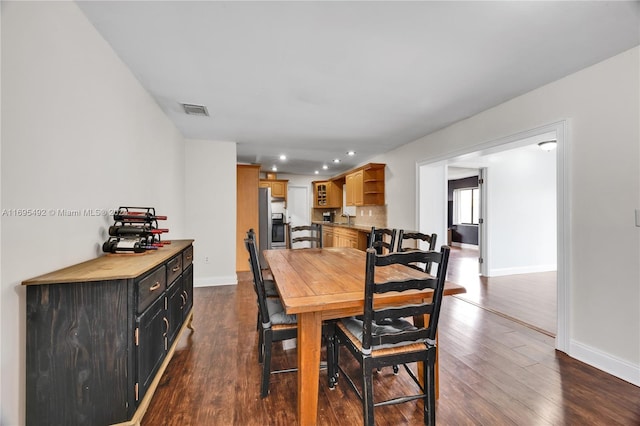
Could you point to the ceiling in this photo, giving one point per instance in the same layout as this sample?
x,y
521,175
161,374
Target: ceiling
x,y
312,80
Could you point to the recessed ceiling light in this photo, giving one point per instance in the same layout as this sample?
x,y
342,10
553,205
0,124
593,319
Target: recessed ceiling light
x,y
325,167
316,172
351,153
337,160
274,168
283,157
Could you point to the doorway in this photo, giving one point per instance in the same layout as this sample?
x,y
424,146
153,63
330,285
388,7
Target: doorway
x,y
298,207
432,178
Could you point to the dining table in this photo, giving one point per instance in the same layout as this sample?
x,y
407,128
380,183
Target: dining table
x,y
319,284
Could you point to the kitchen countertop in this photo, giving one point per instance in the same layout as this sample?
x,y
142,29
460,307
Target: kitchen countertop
x,y
344,225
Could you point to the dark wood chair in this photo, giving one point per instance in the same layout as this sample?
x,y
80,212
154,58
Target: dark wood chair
x,y
304,233
269,285
430,239
277,325
375,346
382,239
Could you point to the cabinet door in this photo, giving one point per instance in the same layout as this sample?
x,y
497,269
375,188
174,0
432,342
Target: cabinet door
x,y
350,188
187,285
174,306
358,188
327,237
278,189
320,195
151,347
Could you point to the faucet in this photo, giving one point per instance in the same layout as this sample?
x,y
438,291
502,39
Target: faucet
x,y
348,218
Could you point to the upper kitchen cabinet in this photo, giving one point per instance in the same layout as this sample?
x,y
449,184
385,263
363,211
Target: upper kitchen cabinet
x,y
278,187
327,194
365,186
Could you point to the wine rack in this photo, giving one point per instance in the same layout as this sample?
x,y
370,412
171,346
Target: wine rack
x,y
135,230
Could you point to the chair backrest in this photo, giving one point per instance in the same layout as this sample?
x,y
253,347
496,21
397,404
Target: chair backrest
x,y
416,237
313,234
389,336
382,238
258,281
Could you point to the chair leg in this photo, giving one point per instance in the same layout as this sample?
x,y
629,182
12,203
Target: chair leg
x,y
260,345
430,388
266,365
367,393
331,361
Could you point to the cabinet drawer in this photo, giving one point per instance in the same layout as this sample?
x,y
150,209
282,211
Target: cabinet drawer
x,y
151,287
174,268
187,257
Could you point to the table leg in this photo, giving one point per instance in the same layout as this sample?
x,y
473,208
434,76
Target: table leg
x,y
309,346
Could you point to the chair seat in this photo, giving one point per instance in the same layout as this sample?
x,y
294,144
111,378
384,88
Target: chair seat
x,y
352,329
270,288
277,314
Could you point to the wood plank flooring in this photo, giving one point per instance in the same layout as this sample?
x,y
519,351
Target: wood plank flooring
x,y
493,372
530,299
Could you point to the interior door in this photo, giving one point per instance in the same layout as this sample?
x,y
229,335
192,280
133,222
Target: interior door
x,y
298,208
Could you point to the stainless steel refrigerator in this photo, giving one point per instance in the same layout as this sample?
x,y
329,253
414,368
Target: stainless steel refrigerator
x,y
265,231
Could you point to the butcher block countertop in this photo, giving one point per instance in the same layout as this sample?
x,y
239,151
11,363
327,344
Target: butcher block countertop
x,y
112,266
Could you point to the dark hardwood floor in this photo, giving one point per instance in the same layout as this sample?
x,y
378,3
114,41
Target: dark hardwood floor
x,y
530,299
493,371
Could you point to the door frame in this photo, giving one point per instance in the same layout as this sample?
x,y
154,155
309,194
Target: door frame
x,y
563,205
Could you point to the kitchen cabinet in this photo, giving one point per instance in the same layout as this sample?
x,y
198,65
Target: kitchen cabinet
x,y
247,181
365,186
327,194
278,187
340,236
327,236
99,334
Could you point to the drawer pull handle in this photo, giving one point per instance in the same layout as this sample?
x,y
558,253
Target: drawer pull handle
x,y
155,286
189,257
166,322
184,300
175,269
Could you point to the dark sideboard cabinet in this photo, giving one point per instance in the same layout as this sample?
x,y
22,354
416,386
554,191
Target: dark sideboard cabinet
x,y
100,333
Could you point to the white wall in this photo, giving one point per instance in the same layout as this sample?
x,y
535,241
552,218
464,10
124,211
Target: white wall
x,y
521,211
210,210
78,132
602,105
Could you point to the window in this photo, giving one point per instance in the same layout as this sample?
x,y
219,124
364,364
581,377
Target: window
x,y
466,206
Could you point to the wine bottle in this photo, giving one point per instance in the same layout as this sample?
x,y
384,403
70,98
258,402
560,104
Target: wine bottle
x,y
125,246
129,230
125,216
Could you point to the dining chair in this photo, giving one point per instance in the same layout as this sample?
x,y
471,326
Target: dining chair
x,y
430,239
304,233
268,286
277,325
382,238
375,346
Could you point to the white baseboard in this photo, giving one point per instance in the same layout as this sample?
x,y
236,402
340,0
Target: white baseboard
x,y
214,281
605,362
499,272
465,245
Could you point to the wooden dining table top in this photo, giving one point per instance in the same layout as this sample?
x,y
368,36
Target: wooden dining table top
x,y
311,280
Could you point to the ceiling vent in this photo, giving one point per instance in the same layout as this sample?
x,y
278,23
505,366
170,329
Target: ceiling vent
x,y
191,109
